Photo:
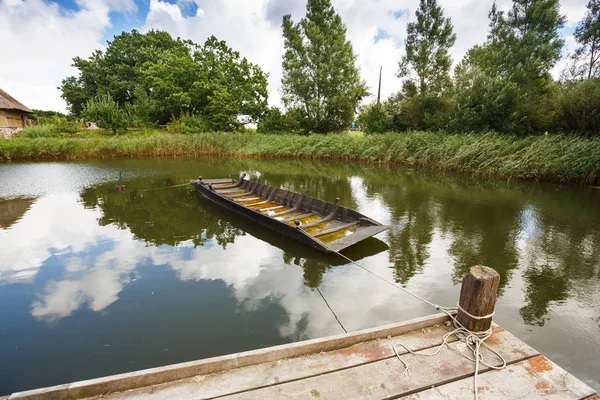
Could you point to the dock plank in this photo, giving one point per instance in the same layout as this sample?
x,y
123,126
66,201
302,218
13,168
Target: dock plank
x,y
286,370
157,376
385,378
535,378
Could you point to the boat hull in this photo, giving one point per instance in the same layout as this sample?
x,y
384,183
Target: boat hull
x,y
224,192
262,219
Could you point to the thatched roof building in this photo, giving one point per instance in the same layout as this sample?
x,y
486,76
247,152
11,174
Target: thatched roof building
x,y
13,114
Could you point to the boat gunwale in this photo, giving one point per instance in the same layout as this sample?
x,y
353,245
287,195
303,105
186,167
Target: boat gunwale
x,y
290,199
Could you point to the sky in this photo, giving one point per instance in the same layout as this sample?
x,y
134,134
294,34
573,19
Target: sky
x,y
41,37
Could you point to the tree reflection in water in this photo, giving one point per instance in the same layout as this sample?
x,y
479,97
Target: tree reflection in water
x,y
551,237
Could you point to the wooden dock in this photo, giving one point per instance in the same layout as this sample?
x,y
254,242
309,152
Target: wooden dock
x,y
356,365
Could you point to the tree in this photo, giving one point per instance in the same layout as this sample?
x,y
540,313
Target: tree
x,y
525,43
426,64
222,68
587,35
319,69
505,84
161,78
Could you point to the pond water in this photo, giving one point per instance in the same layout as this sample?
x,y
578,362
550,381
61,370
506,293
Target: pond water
x,y
95,282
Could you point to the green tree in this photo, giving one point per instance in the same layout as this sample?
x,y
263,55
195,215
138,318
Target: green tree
x,y
426,64
319,69
526,42
161,78
587,35
221,67
106,112
505,84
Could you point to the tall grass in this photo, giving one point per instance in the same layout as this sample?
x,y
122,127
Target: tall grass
x,y
558,158
40,131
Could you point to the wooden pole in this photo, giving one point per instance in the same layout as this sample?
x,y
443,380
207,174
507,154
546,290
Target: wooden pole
x,y
478,298
379,90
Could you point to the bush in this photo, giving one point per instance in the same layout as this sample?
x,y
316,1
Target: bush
x,y
192,124
274,121
61,125
375,118
106,113
40,131
579,107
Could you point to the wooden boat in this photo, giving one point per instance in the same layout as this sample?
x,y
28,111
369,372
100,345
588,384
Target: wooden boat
x,y
328,227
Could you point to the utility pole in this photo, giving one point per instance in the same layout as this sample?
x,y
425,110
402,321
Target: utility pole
x,y
379,91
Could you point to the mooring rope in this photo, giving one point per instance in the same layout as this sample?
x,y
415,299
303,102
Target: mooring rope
x,y
473,340
330,309
166,187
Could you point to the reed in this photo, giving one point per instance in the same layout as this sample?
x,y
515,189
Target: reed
x,y
559,158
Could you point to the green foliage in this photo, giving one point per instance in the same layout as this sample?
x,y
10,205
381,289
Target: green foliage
x,y
426,64
505,85
525,43
221,112
40,131
106,113
425,113
62,125
320,76
41,115
553,157
156,78
580,107
587,35
274,121
375,118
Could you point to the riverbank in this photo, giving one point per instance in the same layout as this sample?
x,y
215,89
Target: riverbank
x,y
557,158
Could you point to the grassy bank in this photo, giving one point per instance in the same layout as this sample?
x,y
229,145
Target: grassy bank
x,y
552,158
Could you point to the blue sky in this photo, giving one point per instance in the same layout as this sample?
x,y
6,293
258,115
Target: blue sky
x,y
55,31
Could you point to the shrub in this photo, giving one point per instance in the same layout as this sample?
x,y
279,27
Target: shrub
x,y
106,113
375,118
192,124
61,125
274,121
579,106
40,131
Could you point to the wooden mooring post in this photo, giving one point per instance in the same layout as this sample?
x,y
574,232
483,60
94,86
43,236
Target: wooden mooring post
x,y
478,298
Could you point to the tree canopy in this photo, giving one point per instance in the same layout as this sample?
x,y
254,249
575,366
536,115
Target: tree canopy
x,y
426,64
169,77
587,35
320,76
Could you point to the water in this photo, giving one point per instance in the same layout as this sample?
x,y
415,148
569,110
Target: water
x,y
95,282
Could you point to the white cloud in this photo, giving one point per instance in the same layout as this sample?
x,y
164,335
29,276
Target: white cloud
x,y
39,40
42,38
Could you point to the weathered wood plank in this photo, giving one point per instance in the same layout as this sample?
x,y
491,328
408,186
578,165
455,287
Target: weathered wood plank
x,y
248,199
170,373
267,374
221,181
339,228
385,378
535,378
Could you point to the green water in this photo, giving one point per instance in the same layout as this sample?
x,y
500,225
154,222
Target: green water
x,y
94,282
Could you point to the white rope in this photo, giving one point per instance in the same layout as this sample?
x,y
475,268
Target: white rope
x,y
475,316
473,340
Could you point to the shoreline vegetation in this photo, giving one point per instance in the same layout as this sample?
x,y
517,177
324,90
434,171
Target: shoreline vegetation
x,y
553,158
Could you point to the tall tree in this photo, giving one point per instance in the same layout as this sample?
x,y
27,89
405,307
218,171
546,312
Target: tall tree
x,y
505,84
526,41
319,69
426,64
587,35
